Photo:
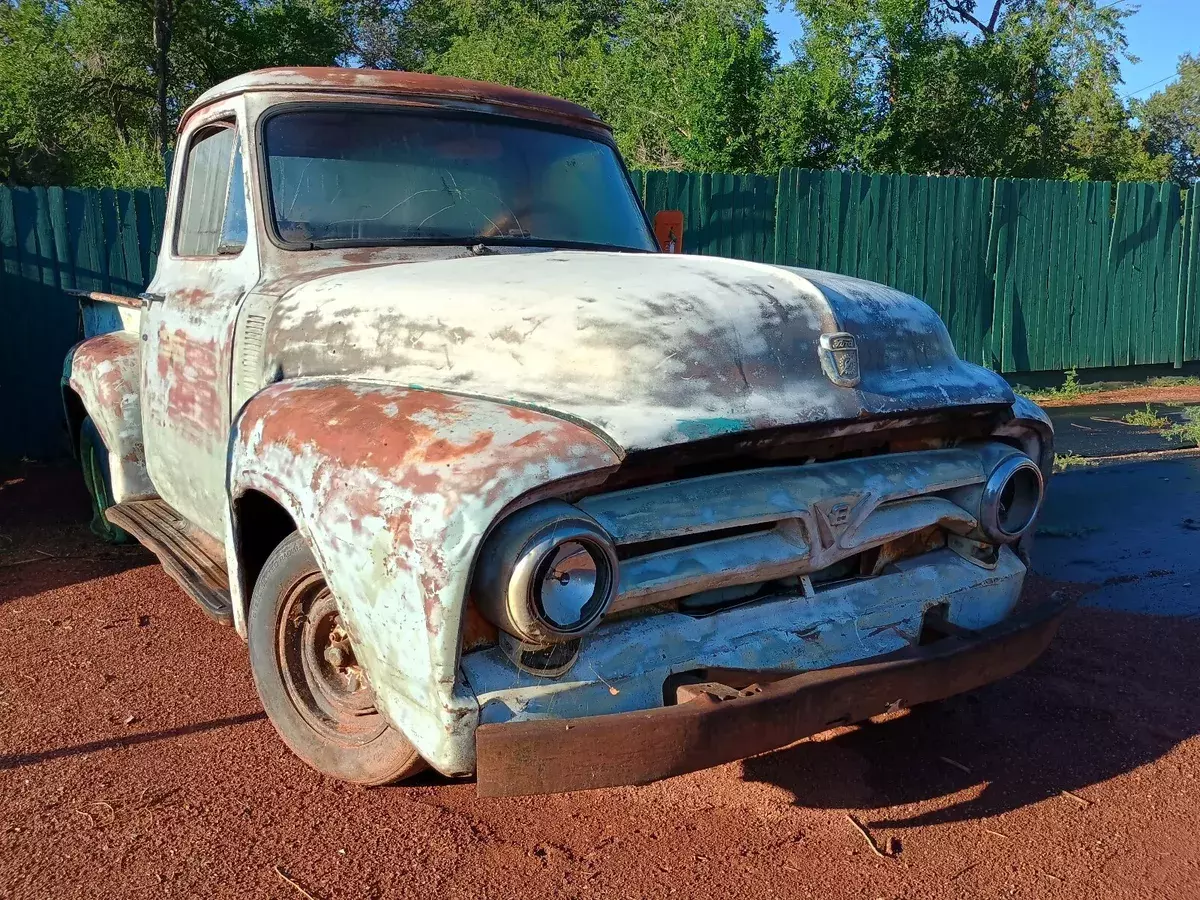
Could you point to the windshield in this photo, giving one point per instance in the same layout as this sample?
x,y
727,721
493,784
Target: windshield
x,y
368,176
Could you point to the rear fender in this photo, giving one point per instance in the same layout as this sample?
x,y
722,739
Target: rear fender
x,y
105,372
393,488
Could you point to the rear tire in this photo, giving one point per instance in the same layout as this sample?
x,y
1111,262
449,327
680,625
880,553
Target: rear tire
x,y
93,458
308,679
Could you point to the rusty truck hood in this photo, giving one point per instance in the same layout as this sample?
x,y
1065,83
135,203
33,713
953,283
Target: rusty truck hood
x,y
649,349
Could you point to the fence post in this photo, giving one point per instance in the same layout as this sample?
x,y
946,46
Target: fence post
x,y
1189,280
1182,295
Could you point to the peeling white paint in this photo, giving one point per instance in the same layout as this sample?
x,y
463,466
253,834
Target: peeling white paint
x,y
847,623
402,429
651,349
396,530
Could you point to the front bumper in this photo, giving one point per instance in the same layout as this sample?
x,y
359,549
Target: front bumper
x,y
552,755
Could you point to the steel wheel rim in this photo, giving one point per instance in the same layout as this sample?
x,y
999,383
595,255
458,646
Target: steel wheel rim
x,y
327,688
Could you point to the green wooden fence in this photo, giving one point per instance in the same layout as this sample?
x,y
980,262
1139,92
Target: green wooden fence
x,y
53,239
1028,275
926,236
724,215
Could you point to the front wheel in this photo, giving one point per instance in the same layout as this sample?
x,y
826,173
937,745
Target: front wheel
x,y
311,685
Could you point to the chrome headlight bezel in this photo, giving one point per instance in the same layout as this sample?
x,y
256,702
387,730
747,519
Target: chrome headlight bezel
x,y
513,564
1005,523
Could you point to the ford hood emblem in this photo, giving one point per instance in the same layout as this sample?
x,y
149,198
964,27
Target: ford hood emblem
x,y
839,358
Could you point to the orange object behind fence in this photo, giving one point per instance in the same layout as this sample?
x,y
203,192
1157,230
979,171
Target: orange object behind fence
x,y
668,229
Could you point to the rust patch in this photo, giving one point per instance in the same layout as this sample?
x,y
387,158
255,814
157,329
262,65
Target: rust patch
x,y
414,85
530,440
193,296
521,414
101,348
432,580
411,460
444,451
375,428
188,368
103,373
477,631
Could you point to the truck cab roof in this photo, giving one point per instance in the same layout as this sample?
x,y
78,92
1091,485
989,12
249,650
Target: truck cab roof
x,y
415,86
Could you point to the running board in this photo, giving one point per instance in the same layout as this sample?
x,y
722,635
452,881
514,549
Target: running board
x,y
193,558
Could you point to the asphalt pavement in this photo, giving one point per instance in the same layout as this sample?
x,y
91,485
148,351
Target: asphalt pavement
x,y
1131,529
1100,430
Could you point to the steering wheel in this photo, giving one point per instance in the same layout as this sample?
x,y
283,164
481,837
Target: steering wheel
x,y
501,225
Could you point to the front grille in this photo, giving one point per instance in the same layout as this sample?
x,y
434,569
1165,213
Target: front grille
x,y
804,444
740,532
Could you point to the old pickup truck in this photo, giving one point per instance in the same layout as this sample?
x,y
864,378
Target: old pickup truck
x,y
488,483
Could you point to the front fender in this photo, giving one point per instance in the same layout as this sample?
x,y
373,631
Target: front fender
x,y
1032,427
105,371
394,488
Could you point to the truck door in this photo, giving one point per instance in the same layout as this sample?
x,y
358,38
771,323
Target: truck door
x,y
206,267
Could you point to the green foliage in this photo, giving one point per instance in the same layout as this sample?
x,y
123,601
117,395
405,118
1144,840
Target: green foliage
x,y
78,80
57,123
1170,121
1187,431
1145,418
1064,461
1017,88
924,86
1070,386
1167,381
1070,389
679,80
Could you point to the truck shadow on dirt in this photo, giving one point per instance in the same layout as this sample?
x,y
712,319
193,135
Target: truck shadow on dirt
x,y
19,760
1111,694
45,542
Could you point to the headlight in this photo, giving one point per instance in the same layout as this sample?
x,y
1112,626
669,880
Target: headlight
x,y
1008,500
546,574
1011,498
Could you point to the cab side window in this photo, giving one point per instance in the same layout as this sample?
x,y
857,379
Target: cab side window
x,y
212,216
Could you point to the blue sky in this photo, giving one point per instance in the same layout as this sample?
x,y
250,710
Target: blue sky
x,y
1158,33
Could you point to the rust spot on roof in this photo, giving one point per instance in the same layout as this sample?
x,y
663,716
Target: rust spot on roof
x,y
399,84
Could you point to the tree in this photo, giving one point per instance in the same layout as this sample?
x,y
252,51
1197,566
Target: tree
x,y
91,91
63,119
1023,88
679,80
1170,121
682,81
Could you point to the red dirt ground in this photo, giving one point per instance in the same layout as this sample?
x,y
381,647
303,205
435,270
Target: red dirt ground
x,y
135,762
1178,394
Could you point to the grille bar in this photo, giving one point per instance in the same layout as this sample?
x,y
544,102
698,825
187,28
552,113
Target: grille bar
x,y
712,502
817,515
